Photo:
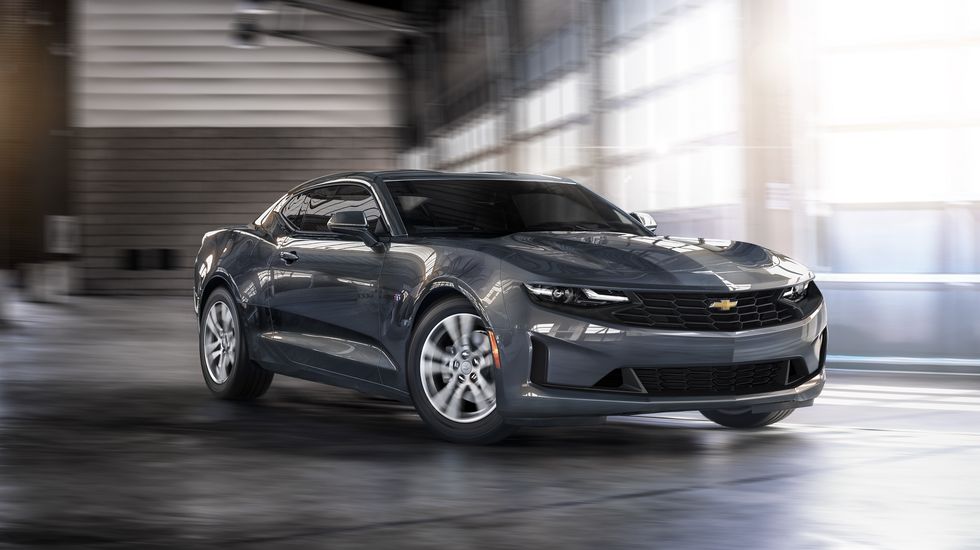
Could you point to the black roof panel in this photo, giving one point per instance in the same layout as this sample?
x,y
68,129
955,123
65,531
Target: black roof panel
x,y
429,175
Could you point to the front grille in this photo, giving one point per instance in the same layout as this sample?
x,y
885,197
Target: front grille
x,y
693,311
724,380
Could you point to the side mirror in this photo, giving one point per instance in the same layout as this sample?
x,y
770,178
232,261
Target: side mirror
x,y
645,219
353,223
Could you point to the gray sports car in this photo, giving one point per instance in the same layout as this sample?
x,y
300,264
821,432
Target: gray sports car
x,y
496,300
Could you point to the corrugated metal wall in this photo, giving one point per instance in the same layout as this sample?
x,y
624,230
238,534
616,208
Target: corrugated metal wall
x,y
148,63
150,189
178,133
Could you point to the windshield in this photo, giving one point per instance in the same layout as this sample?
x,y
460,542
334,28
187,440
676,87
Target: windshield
x,y
503,207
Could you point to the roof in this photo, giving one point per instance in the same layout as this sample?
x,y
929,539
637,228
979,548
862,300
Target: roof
x,y
397,175
429,175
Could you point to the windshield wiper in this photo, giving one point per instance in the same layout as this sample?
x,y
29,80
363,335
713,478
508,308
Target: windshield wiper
x,y
461,230
576,226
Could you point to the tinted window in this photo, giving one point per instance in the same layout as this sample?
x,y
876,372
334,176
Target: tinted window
x,y
502,207
323,202
293,209
268,218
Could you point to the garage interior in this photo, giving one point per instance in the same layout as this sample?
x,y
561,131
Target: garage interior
x,y
845,134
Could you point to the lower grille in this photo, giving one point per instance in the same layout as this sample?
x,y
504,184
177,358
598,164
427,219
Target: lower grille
x,y
723,380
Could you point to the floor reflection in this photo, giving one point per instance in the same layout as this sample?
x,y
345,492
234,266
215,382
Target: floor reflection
x,y
109,438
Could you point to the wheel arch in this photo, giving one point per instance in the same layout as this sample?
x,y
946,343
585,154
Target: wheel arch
x,y
218,280
441,290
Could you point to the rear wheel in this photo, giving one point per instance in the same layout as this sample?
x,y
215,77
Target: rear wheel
x,y
228,371
745,418
452,375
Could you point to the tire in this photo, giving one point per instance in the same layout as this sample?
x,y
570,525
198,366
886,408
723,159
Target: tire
x,y
745,419
461,379
228,371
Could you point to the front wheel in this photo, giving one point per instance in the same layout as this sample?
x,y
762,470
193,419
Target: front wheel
x,y
744,418
452,375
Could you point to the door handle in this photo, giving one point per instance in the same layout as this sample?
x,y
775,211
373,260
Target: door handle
x,y
289,257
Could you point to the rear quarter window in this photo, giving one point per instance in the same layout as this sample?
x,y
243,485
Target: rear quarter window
x,y
294,208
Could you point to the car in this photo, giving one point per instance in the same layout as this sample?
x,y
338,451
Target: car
x,y
495,300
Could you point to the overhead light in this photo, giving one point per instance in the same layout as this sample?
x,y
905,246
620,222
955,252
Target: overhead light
x,y
246,35
254,7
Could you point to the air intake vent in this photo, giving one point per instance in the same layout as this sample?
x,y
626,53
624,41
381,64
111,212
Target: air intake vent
x,y
723,380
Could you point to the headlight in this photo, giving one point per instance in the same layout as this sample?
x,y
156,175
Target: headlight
x,y
796,293
564,295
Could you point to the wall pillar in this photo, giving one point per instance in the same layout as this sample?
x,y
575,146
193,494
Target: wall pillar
x,y
772,196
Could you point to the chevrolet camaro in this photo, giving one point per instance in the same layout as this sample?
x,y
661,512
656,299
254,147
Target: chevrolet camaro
x,y
496,300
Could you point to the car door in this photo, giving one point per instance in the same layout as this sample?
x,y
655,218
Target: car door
x,y
325,309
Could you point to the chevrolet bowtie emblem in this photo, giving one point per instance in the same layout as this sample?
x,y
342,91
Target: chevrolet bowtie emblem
x,y
724,305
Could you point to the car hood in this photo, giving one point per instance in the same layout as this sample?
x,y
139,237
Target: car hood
x,y
622,260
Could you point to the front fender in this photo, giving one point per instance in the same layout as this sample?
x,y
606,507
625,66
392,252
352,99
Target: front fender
x,y
414,273
483,303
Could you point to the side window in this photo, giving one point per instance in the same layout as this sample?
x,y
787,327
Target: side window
x,y
293,209
325,201
267,218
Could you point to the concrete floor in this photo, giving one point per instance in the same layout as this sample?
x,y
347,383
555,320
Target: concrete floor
x,y
109,438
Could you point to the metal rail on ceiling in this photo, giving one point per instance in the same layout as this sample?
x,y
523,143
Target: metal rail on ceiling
x,y
250,14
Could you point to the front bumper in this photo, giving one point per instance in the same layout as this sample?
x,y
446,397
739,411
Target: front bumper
x,y
580,352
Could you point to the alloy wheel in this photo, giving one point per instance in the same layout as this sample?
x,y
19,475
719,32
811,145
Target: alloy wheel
x,y
457,369
220,342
